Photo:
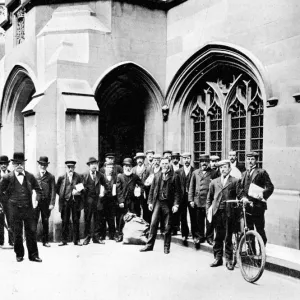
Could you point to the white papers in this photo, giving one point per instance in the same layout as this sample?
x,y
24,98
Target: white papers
x,y
101,191
79,187
235,172
209,214
255,190
34,201
137,191
114,190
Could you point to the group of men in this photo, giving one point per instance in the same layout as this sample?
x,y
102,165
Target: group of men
x,y
158,188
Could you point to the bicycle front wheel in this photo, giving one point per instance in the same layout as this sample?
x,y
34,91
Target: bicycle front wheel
x,y
251,256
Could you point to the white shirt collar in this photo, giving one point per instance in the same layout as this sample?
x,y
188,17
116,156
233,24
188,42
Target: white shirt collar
x,y
42,173
187,169
16,173
140,169
225,180
176,167
233,164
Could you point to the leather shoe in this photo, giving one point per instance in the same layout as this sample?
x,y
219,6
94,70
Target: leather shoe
x,y
229,265
210,242
46,245
36,259
119,239
78,244
98,242
20,258
145,249
166,251
185,241
217,263
86,241
63,244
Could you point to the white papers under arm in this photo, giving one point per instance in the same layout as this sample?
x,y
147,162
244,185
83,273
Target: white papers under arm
x,y
114,190
209,214
79,187
101,190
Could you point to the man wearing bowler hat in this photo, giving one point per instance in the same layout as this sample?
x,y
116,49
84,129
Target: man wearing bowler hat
x,y
92,181
126,184
198,191
143,172
47,201
4,162
259,177
18,186
70,202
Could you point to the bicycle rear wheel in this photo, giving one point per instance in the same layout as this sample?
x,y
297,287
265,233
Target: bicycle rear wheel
x,y
251,256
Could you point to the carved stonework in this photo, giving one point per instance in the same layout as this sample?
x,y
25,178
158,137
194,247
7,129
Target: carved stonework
x,y
3,17
20,26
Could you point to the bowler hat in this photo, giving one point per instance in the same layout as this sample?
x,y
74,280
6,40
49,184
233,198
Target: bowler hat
x,y
4,159
43,160
139,154
150,151
70,162
127,161
252,153
110,155
186,154
204,157
18,157
167,151
92,160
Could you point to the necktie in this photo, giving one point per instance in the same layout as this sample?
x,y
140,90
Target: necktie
x,y
20,174
93,176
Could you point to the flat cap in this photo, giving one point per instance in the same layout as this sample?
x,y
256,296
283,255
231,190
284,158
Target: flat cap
x,y
127,161
204,157
150,151
167,151
110,155
214,157
223,162
186,154
252,153
70,162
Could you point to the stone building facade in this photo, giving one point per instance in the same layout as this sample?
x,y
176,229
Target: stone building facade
x,y
80,78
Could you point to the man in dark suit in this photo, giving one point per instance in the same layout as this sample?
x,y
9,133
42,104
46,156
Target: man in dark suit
x,y
4,162
17,187
70,202
143,172
126,185
149,156
214,159
185,175
168,154
222,189
92,181
259,177
47,183
164,199
107,203
198,190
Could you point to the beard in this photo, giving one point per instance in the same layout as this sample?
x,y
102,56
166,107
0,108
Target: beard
x,y
128,173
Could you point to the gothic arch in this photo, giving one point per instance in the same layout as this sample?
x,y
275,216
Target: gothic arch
x,y
17,93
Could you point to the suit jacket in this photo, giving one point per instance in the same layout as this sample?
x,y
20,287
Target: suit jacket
x,y
99,180
171,167
48,195
217,192
8,181
61,187
199,186
241,167
106,198
116,170
261,178
182,180
126,186
173,189
3,195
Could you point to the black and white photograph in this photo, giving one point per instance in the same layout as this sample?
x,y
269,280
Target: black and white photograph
x,y
149,149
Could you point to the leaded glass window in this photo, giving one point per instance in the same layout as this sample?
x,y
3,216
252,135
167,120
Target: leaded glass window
x,y
216,132
199,136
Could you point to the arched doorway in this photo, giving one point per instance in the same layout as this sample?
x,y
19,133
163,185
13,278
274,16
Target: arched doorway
x,y
18,92
130,102
220,93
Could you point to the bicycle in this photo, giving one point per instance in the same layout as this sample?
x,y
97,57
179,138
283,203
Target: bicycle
x,y
249,249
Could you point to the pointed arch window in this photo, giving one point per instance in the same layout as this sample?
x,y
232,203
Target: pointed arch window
x,y
231,109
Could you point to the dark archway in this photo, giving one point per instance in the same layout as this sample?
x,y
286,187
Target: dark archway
x,y
128,98
18,92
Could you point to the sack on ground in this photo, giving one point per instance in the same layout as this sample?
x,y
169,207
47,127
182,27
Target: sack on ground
x,y
135,231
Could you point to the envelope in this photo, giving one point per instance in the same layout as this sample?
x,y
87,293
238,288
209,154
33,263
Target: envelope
x,y
254,190
79,187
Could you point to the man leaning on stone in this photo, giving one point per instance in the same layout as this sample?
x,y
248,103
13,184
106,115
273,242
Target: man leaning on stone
x,y
164,200
47,183
18,186
70,202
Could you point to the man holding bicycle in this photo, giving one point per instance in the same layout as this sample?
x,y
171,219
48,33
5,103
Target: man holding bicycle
x,y
256,178
222,189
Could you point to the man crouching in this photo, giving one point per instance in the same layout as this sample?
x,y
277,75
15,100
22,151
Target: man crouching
x,y
222,189
163,201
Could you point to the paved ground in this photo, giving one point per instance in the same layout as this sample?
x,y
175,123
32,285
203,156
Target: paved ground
x,y
116,271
